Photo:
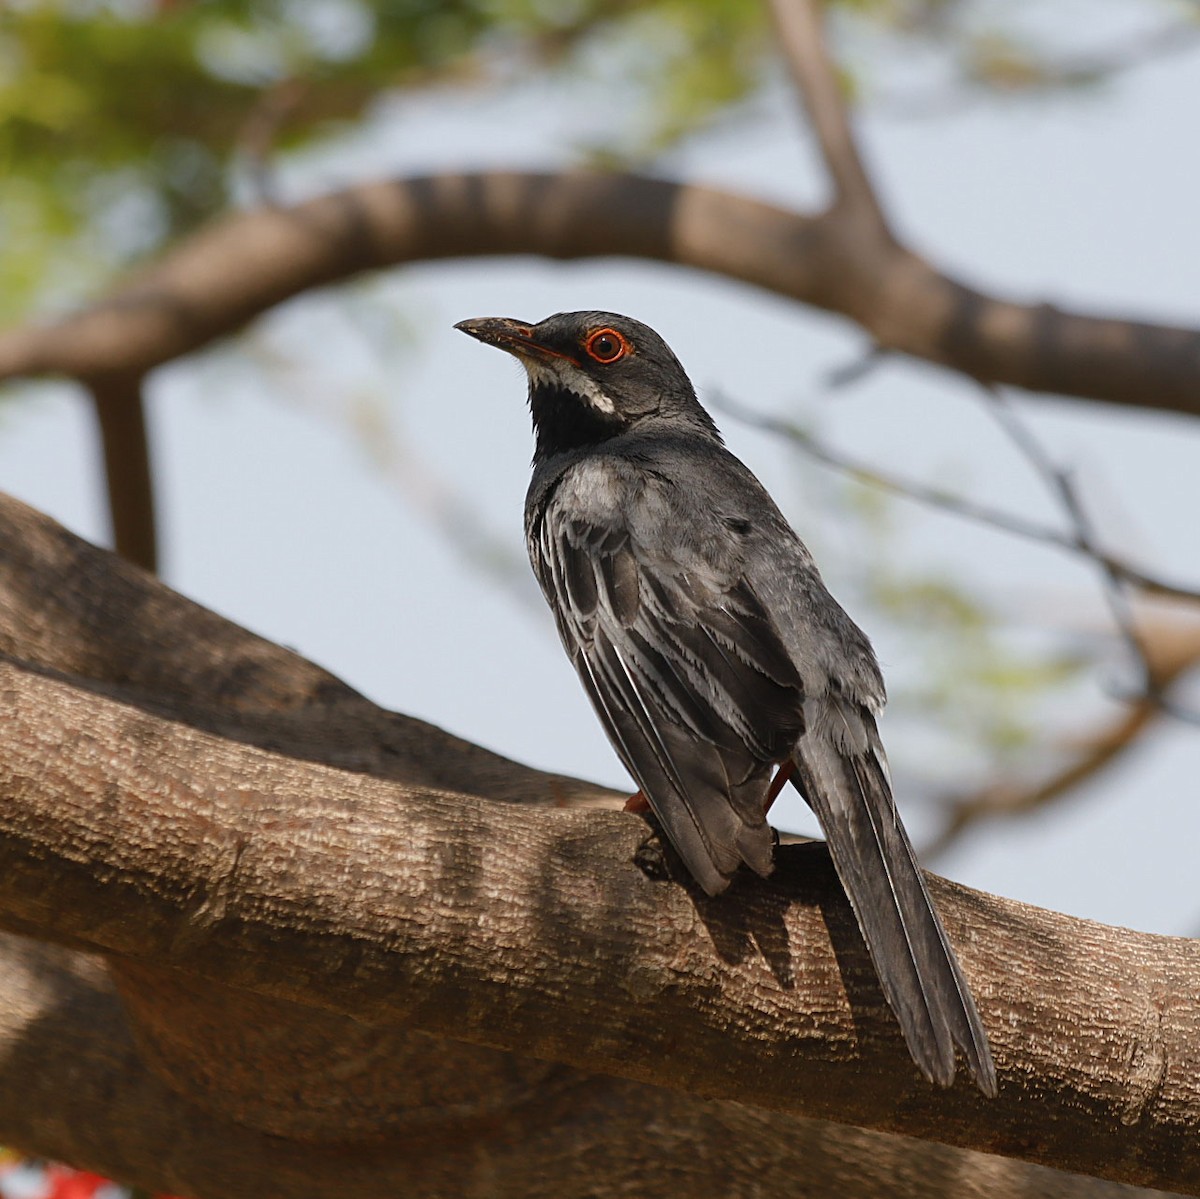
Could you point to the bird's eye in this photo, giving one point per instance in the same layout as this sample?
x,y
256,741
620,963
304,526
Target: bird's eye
x,y
606,345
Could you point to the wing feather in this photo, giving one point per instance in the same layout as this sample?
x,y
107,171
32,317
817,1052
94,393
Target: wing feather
x,y
689,677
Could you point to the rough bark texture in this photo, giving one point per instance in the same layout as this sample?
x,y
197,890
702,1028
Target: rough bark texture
x,y
295,922
841,261
73,1085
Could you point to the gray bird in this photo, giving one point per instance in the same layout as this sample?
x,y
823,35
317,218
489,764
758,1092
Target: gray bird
x,y
713,653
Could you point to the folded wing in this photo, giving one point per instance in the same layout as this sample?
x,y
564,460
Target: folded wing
x,y
691,681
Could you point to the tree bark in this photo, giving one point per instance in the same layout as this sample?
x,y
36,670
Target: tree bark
x,y
169,802
74,1086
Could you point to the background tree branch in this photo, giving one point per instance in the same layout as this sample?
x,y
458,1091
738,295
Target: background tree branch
x,y
549,933
815,76
935,495
242,264
120,409
1172,650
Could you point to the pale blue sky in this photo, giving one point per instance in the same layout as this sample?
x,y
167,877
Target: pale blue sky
x,y
275,514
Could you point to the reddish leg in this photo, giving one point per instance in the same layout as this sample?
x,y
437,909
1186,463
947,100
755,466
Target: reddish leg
x,y
636,803
786,770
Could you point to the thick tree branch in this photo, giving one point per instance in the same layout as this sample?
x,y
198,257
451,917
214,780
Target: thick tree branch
x,y
245,263
73,1087
64,1053
556,933
502,925
70,608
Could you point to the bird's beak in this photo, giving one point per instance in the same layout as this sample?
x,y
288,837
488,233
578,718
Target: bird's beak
x,y
507,333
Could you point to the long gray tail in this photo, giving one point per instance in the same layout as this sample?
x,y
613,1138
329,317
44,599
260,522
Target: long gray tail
x,y
840,770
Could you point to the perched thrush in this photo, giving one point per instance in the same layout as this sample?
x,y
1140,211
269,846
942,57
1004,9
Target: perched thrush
x,y
713,653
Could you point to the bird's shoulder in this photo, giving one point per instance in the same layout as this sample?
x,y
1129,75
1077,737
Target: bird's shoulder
x,y
671,493
687,513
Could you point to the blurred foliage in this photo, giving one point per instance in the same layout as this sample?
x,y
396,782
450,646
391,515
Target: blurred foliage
x,y
122,122
987,690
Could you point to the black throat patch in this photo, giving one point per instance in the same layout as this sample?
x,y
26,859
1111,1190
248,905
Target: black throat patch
x,y
565,421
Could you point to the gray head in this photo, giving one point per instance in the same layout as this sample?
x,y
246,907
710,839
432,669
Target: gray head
x,y
594,375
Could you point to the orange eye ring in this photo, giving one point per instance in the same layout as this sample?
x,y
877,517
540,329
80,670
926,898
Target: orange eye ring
x,y
607,345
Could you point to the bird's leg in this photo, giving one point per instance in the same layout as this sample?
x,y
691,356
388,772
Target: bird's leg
x,y
636,803
785,772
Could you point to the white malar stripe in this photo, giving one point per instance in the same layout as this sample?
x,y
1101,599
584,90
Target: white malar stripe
x,y
563,374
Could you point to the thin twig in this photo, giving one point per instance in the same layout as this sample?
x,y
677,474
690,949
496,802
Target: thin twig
x,y
1044,75
947,501
802,39
857,369
256,139
1174,652
1160,667
1060,483
1005,799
